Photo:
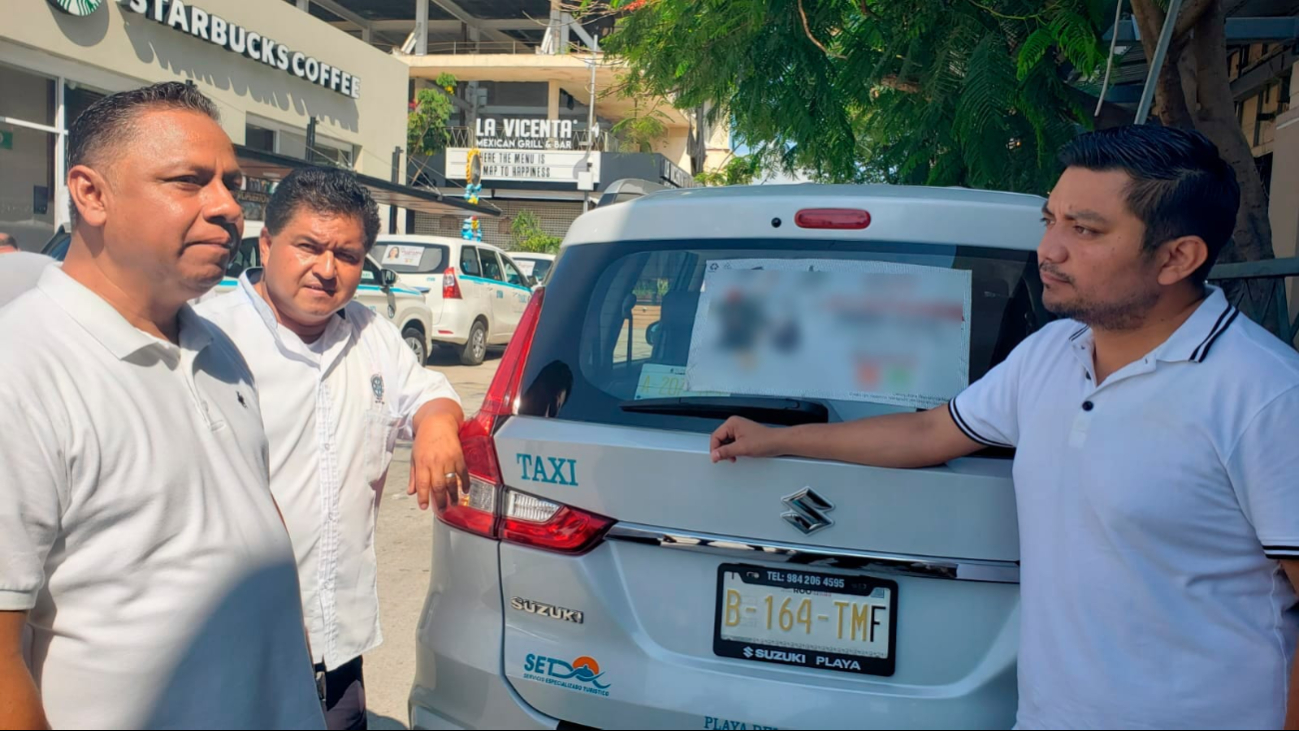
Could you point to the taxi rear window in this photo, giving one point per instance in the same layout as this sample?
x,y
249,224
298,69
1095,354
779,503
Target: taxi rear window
x,y
846,329
412,258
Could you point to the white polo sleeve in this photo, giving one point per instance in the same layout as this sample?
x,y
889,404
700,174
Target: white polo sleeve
x,y
33,494
1262,469
417,385
988,411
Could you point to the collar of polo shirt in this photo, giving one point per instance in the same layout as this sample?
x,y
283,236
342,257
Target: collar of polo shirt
x,y
1193,340
107,326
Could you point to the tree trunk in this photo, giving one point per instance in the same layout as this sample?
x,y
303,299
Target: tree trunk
x,y
1208,106
1170,101
1216,118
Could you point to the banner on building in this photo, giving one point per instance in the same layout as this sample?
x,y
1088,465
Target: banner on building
x,y
537,166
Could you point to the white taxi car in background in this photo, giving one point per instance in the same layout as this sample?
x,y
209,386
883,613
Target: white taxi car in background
x,y
476,292
404,306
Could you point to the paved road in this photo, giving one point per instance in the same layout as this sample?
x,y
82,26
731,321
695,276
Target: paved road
x,y
405,547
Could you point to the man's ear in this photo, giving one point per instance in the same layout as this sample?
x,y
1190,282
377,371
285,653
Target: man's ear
x,y
264,245
1182,257
90,194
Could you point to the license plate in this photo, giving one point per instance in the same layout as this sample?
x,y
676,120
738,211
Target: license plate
x,y
822,621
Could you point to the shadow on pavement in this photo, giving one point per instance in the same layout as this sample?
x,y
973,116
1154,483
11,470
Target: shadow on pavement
x,y
384,723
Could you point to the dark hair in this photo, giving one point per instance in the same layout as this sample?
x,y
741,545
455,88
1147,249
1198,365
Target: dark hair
x,y
1180,185
109,120
323,190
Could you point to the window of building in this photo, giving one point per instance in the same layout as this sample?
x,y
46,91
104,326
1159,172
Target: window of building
x,y
29,142
259,138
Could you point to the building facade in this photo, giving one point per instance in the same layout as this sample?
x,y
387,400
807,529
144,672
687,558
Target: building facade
x,y
290,88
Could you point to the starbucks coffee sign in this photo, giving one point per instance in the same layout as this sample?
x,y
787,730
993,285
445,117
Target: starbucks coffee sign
x,y
205,26
77,7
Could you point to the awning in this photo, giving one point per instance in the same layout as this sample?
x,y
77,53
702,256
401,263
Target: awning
x,y
273,166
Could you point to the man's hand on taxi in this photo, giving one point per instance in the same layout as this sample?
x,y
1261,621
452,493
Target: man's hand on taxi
x,y
437,470
739,437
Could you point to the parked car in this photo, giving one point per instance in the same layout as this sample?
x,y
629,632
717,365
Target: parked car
x,y
601,572
379,289
475,291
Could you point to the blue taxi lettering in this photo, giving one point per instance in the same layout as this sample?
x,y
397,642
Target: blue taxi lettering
x,y
722,724
550,470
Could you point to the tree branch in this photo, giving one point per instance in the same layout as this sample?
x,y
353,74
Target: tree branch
x,y
1170,99
1215,118
807,29
1150,19
893,82
1005,16
1191,13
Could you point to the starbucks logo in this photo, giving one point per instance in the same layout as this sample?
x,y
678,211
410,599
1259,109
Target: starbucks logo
x,y
78,7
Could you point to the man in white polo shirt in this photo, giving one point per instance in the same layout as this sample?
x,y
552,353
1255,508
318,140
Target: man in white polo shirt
x,y
140,547
338,386
1156,479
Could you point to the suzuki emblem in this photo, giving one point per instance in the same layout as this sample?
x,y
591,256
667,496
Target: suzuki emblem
x,y
807,511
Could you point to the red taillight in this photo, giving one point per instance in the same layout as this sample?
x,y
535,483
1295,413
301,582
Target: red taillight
x,y
539,523
839,218
475,511
501,395
487,508
450,285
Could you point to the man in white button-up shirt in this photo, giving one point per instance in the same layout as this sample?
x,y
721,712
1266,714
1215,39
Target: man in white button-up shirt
x,y
140,547
338,387
1156,476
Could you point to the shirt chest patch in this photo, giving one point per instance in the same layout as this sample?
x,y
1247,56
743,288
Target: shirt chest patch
x,y
376,385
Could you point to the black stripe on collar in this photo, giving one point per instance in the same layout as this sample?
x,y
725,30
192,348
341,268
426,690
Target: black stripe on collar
x,y
1078,334
1214,338
1195,355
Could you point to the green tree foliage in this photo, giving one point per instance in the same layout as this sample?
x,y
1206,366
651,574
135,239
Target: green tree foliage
x,y
938,92
526,234
739,170
426,122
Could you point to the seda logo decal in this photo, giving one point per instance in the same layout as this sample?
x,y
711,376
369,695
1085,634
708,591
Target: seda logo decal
x,y
583,674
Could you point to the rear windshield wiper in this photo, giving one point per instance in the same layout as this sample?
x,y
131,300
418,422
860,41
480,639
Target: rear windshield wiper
x,y
764,409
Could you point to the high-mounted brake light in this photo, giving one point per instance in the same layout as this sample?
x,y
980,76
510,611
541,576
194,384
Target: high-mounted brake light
x,y
833,218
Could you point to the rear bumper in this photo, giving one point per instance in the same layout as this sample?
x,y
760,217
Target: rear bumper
x,y
452,323
493,705
459,683
468,673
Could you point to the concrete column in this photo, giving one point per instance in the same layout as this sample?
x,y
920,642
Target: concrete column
x,y
1283,207
421,27
552,101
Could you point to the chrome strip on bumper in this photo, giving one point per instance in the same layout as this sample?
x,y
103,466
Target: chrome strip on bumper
x,y
999,572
